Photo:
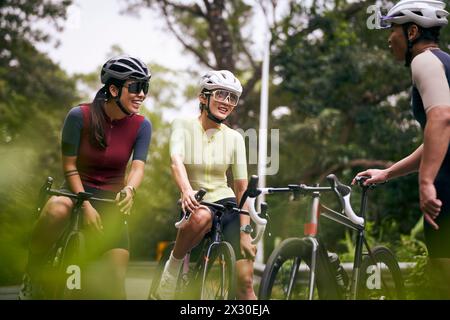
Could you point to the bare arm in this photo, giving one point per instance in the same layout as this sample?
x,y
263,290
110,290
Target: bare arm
x,y
239,188
436,139
91,217
71,174
248,250
403,167
133,181
407,165
179,173
136,174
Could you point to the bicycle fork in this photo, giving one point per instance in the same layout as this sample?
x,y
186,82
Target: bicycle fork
x,y
310,231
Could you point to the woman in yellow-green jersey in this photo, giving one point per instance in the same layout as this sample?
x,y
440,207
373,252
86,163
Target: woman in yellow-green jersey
x,y
202,149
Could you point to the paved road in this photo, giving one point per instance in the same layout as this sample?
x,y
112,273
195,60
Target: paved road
x,y
139,278
137,282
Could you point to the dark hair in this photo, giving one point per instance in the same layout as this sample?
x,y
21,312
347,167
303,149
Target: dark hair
x,y
426,34
430,34
98,119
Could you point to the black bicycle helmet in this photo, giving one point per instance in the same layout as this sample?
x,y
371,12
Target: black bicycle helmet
x,y
124,67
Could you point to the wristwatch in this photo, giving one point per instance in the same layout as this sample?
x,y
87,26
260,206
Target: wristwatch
x,y
246,228
132,189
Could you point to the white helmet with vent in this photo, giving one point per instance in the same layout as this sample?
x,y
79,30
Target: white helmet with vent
x,y
221,79
425,13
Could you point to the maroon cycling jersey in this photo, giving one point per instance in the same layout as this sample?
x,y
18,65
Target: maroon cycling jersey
x,y
105,168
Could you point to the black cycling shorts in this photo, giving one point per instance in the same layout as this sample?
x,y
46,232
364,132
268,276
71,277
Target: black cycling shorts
x,y
115,233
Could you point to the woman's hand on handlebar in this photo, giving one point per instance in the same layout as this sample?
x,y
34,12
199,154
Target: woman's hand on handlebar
x,y
376,176
126,201
91,218
188,201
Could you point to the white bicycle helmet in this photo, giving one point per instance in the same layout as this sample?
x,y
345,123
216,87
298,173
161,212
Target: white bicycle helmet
x,y
124,67
221,79
425,13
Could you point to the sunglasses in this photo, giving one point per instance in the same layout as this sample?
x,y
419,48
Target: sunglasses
x,y
226,97
138,86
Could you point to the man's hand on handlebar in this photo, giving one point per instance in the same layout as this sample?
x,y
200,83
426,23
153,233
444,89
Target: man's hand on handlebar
x,y
376,176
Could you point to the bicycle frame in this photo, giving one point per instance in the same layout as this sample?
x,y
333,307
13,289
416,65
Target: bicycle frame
x,y
58,252
319,260
310,233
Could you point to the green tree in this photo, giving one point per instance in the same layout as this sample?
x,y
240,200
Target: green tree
x,y
349,107
35,94
219,35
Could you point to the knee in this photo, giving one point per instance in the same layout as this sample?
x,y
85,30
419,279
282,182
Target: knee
x,y
201,220
57,210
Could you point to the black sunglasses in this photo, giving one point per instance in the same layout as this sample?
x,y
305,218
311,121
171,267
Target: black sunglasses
x,y
138,86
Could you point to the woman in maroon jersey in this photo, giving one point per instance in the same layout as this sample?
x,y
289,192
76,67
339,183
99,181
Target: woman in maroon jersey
x,y
98,140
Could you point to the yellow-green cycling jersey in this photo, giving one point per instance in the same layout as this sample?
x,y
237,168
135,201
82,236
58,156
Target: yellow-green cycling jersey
x,y
208,154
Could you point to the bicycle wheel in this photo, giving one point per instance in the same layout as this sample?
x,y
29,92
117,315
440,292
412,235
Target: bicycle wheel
x,y
380,276
219,273
159,270
287,273
72,255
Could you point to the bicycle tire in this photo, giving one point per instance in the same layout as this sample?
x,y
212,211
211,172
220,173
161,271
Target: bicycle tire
x,y
219,273
388,285
70,271
275,281
159,270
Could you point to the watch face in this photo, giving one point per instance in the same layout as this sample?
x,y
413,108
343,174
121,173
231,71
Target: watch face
x,y
247,228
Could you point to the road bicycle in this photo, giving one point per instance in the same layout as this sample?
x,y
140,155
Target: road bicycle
x,y
209,271
375,274
63,274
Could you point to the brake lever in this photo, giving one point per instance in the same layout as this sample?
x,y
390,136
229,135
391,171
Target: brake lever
x,y
265,215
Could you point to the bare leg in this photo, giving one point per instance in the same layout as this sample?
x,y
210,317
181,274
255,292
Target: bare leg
x,y
192,232
188,236
113,279
244,269
54,217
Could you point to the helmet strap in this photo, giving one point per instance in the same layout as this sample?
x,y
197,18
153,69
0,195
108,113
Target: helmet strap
x,y
119,104
209,113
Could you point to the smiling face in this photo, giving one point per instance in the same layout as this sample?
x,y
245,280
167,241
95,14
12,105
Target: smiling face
x,y
130,100
220,109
